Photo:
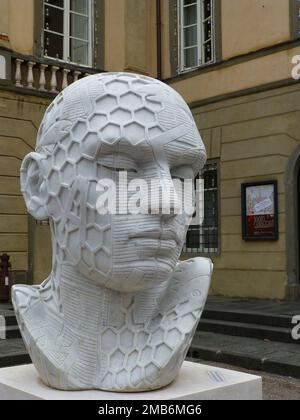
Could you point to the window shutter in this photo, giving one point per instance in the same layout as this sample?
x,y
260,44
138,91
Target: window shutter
x,y
38,28
99,33
174,59
295,18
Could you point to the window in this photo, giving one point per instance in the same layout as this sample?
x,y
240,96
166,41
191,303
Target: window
x,y
196,33
67,30
205,238
295,18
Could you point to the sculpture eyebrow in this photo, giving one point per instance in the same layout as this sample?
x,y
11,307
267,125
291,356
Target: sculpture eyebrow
x,y
170,135
193,156
199,159
158,141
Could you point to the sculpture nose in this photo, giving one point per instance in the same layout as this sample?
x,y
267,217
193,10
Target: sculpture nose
x,y
162,198
169,199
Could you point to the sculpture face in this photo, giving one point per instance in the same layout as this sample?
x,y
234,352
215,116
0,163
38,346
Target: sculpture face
x,y
126,123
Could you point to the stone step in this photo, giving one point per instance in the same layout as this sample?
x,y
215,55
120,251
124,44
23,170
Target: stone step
x,y
10,332
10,319
7,312
250,353
249,317
243,329
13,352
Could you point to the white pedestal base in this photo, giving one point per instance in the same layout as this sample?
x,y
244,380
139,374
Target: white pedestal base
x,y
195,382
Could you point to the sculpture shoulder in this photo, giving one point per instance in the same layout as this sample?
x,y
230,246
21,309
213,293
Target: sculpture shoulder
x,y
25,296
194,267
190,283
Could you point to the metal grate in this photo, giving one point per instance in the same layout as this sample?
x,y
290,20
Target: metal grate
x,y
205,238
43,222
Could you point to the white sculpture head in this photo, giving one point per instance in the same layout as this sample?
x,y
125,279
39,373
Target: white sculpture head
x,y
117,312
95,128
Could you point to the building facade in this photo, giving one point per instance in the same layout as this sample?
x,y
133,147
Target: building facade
x,y
232,61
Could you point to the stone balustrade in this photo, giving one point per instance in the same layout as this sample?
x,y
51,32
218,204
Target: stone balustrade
x,y
45,76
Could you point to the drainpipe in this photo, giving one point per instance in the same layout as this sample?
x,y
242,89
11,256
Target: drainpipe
x,y
158,38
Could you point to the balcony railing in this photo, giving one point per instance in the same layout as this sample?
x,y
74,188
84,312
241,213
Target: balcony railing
x,y
45,75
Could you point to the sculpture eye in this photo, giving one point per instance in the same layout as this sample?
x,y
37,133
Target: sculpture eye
x,y
182,172
119,162
181,178
127,170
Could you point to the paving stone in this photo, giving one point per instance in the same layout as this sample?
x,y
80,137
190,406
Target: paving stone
x,y
250,353
13,345
13,352
288,308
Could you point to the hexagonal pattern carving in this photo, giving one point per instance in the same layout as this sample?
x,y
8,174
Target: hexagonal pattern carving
x,y
109,317
131,100
74,154
117,360
59,158
136,376
173,337
126,339
97,121
134,132
67,174
145,116
162,352
106,103
90,145
111,133
109,340
121,116
79,130
54,182
117,86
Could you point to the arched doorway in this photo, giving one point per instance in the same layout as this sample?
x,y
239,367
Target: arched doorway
x,y
292,206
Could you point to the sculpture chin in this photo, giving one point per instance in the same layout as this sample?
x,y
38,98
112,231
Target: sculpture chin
x,y
101,339
143,274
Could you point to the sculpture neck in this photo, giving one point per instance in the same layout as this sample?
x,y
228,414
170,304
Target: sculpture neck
x,y
90,307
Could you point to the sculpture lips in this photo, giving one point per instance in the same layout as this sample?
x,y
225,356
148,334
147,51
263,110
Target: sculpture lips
x,y
163,235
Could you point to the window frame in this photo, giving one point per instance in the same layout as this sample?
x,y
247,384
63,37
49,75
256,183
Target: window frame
x,y
294,19
200,35
66,33
190,254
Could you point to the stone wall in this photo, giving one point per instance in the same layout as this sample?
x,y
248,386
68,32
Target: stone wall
x,y
253,136
20,116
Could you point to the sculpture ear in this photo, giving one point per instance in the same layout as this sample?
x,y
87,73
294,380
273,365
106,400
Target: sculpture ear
x,y
33,185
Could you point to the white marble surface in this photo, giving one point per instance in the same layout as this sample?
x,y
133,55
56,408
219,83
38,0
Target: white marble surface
x,y
118,310
195,382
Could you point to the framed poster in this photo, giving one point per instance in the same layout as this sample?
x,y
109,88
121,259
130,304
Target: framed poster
x,y
260,211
